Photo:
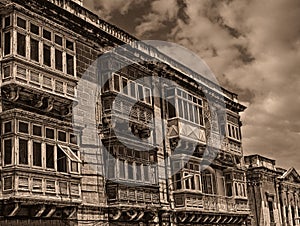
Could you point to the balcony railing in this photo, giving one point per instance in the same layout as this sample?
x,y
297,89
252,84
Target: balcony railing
x,y
210,203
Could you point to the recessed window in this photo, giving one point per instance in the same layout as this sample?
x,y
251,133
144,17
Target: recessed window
x,y
7,152
37,154
49,156
7,21
34,50
34,29
23,127
73,138
47,34
7,43
58,40
23,151
70,45
21,44
49,133
62,136
58,60
21,23
7,127
37,130
47,55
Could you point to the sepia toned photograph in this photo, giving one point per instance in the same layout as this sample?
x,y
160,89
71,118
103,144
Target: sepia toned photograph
x,y
150,113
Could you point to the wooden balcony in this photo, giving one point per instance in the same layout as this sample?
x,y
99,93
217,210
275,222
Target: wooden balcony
x,y
210,203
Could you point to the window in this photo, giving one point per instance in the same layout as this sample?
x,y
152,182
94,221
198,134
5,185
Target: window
x,y
125,86
49,133
7,21
138,171
146,173
8,152
37,130
111,168
37,154
49,156
47,55
62,136
74,164
58,40
178,181
23,151
233,131
7,43
7,127
58,60
23,127
116,82
140,93
21,23
207,183
47,34
70,64
34,29
271,211
147,96
132,89
130,170
69,45
122,169
21,44
34,50
73,138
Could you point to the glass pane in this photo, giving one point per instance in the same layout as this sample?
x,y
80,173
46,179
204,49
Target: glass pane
x,y
7,43
49,156
34,50
23,151
21,23
70,45
34,29
47,55
58,60
70,64
7,152
21,44
23,127
37,154
47,34
58,40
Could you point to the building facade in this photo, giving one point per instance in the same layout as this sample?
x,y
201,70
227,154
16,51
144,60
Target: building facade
x,y
273,192
110,142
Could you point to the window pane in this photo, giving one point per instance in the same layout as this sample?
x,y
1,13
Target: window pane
x,y
49,156
132,89
58,60
122,168
140,93
23,151
37,154
171,108
7,21
58,40
34,50
130,170
73,138
21,44
116,82
69,45
50,133
34,29
138,172
47,55
23,127
70,64
147,95
7,151
21,23
185,108
196,114
7,43
37,130
62,136
47,34
125,85
61,161
180,109
7,127
178,181
229,130
146,173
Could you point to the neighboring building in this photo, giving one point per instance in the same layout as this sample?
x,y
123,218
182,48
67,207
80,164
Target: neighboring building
x,y
273,192
52,171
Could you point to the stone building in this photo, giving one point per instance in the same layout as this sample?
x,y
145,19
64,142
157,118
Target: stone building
x,y
273,192
82,139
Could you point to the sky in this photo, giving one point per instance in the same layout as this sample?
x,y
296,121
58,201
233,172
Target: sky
x,y
251,46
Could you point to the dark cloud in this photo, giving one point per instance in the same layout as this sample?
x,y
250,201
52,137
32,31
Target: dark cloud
x,y
253,48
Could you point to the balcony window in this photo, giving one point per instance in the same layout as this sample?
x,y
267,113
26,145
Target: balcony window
x,y
49,156
34,50
146,173
37,154
23,151
138,169
7,43
73,138
132,89
69,45
70,64
7,21
207,184
47,34
49,133
62,136
233,132
61,161
130,170
122,169
21,23
178,181
116,82
58,40
7,152
21,44
125,86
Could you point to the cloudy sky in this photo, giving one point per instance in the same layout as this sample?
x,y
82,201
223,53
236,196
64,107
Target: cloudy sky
x,y
252,47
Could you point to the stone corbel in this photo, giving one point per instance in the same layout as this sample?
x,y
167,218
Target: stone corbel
x,y
183,217
50,103
39,102
14,94
133,215
140,216
116,216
